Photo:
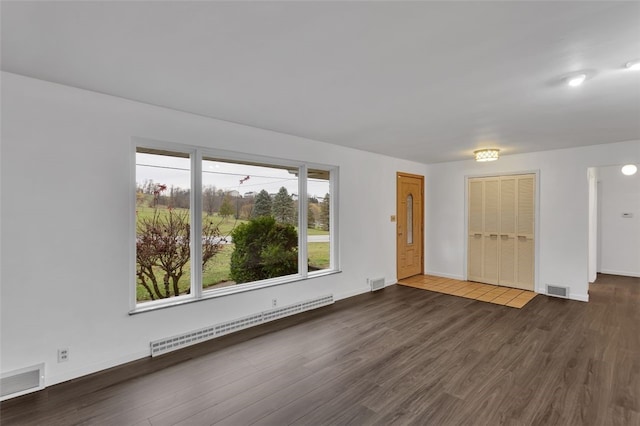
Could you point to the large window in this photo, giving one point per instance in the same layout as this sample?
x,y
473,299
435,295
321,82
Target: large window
x,y
258,222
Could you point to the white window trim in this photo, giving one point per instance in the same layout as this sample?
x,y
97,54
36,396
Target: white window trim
x,y
196,154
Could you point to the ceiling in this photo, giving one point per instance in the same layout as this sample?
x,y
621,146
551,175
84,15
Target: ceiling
x,y
426,81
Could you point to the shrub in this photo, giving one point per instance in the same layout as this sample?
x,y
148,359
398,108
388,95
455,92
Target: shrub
x,y
263,249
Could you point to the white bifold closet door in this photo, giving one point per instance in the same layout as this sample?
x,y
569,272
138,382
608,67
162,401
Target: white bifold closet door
x,y
501,230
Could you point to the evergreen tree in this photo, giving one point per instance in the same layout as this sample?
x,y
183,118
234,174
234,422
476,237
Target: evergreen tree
x,y
262,206
282,207
226,209
263,249
325,213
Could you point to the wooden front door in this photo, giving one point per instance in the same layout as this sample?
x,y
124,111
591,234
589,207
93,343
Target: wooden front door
x,y
410,213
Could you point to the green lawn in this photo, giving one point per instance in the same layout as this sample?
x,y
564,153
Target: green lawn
x,y
216,272
313,231
319,255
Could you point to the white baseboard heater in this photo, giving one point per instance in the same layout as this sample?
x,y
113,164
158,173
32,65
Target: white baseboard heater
x,y
20,382
162,346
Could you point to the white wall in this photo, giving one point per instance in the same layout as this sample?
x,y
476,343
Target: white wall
x,y
66,183
619,243
563,210
65,212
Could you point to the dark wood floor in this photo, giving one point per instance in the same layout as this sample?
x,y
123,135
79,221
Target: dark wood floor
x,y
400,355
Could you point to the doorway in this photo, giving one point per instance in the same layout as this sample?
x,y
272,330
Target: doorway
x,y
614,203
409,225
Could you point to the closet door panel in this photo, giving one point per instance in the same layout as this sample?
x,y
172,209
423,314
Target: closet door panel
x,y
492,206
474,259
476,216
507,249
490,264
491,229
526,207
508,265
525,248
475,254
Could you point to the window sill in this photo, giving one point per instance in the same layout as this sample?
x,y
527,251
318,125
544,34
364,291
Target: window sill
x,y
227,291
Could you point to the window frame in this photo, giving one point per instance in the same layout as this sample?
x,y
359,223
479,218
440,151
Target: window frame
x,y
196,155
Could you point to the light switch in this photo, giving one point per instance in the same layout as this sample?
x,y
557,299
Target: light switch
x,y
393,218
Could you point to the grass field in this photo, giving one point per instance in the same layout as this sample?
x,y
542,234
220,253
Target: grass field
x,y
216,272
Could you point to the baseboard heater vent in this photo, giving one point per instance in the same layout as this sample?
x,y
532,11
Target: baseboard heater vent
x,y
285,311
376,284
162,346
558,291
22,381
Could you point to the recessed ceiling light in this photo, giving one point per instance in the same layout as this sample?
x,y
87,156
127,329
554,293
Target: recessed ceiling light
x,y
629,169
576,80
634,65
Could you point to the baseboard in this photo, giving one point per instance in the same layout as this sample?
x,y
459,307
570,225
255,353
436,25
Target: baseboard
x,y
445,275
358,291
622,273
579,297
94,368
352,293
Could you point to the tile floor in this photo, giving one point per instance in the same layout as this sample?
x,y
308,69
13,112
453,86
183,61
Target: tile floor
x,y
499,295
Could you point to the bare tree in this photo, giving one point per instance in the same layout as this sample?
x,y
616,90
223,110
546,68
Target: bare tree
x,y
209,199
163,250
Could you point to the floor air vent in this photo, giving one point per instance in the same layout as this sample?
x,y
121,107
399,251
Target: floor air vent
x,y
376,284
162,346
20,382
557,291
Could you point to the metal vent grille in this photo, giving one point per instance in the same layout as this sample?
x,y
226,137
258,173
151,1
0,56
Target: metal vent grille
x,y
22,381
558,291
376,284
159,347
285,311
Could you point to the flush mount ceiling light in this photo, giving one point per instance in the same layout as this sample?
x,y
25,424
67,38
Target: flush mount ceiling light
x,y
489,154
629,169
633,65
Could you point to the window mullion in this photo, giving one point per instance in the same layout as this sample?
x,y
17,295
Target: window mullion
x,y
333,221
303,201
196,224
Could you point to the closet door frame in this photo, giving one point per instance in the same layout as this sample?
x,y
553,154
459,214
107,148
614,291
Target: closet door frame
x,y
536,271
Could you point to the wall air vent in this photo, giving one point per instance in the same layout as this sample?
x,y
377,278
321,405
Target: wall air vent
x,y
162,346
376,284
558,291
22,381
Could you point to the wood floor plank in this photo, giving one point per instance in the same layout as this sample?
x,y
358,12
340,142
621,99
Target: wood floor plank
x,y
401,355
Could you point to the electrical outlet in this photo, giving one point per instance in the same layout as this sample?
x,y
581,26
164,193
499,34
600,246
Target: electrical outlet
x,y
63,355
274,302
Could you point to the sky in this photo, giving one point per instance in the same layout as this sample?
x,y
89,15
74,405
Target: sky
x,y
174,171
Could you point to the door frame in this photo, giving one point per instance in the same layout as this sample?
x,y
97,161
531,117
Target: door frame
x,y
465,243
421,235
